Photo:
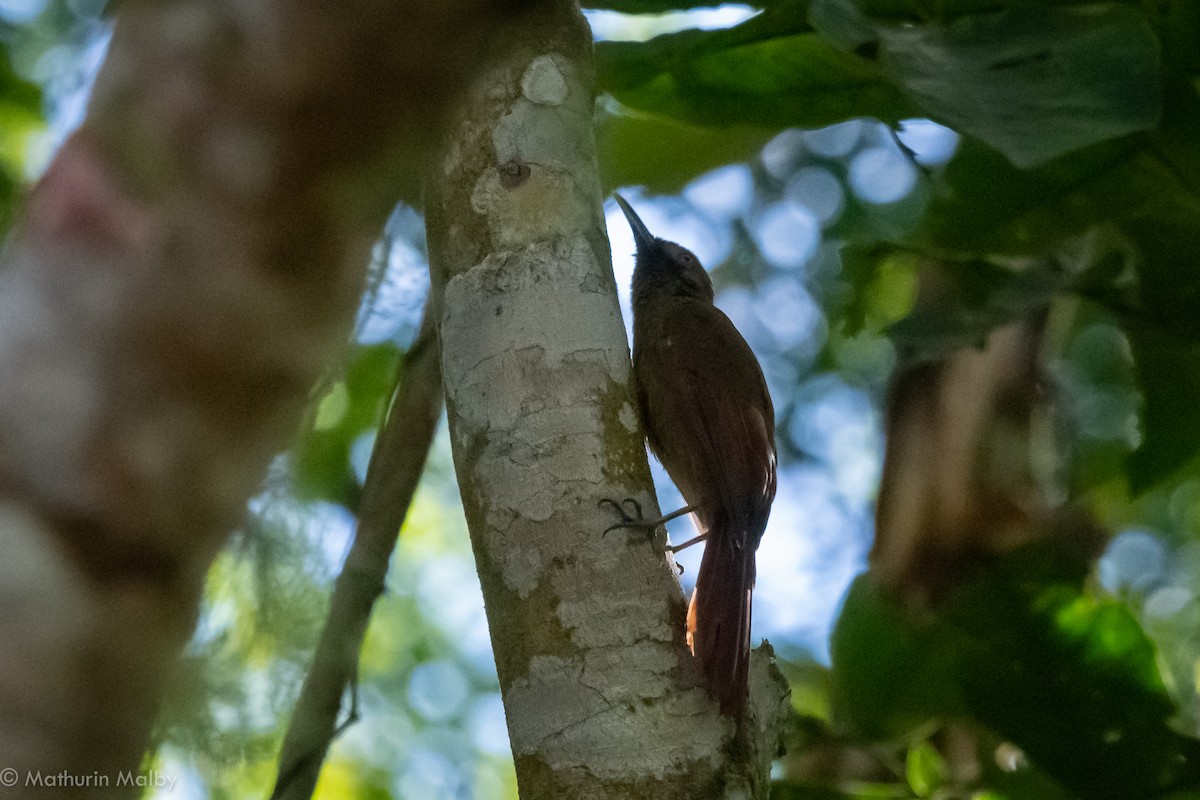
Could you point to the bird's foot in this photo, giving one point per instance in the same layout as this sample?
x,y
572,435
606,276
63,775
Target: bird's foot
x,y
628,520
635,520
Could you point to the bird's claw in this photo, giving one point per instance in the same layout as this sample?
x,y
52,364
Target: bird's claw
x,y
627,519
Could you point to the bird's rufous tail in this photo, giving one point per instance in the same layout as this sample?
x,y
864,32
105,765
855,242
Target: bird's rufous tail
x,y
719,621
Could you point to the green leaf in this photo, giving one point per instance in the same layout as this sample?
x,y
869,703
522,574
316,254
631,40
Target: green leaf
x,y
891,672
1168,372
1070,679
664,154
20,119
350,408
983,204
975,297
880,287
925,769
14,90
771,71
1033,83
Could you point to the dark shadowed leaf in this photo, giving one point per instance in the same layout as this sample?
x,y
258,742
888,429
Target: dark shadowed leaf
x,y
793,791
1033,82
664,154
983,204
1161,323
771,71
950,10
1069,679
891,673
1168,371
978,296
1039,642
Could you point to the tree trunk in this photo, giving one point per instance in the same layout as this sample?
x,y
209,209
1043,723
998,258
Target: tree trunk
x,y
188,265
602,697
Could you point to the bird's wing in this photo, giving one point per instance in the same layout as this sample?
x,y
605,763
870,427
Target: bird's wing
x,y
713,427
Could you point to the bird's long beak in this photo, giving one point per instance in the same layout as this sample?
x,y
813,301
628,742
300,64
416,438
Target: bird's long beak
x,y
641,234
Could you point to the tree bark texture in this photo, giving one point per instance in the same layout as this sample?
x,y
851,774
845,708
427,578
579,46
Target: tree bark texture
x,y
602,697
183,272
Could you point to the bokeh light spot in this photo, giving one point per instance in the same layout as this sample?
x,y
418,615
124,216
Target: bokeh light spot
x,y
614,26
818,190
393,311
787,234
835,141
931,144
1168,601
724,192
1134,560
437,690
489,730
780,154
428,774
20,12
839,425
881,175
813,547
789,313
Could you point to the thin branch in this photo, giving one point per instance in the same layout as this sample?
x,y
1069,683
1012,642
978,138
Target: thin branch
x,y
396,466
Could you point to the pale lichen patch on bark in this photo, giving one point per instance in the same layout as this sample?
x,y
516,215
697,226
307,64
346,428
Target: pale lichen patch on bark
x,y
522,569
503,341
628,417
555,699
590,627
532,212
579,718
655,664
544,82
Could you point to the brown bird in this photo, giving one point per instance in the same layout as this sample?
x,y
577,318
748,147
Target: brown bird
x,y
709,420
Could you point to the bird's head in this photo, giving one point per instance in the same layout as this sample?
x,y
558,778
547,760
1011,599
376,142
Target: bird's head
x,y
663,268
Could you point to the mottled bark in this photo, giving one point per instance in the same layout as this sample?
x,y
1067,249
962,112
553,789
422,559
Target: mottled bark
x,y
602,696
185,269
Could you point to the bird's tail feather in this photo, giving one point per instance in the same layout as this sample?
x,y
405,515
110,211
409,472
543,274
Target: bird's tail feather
x,y
719,621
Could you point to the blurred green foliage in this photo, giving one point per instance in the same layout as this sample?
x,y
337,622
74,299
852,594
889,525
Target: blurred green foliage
x,y
1075,184
20,120
1022,197
1068,678
351,407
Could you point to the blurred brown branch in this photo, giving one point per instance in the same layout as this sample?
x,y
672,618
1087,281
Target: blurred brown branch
x,y
397,462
